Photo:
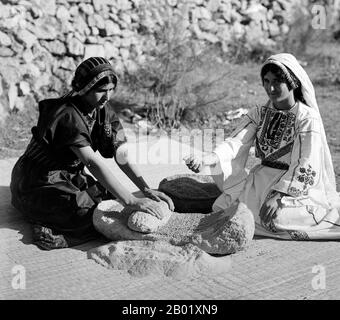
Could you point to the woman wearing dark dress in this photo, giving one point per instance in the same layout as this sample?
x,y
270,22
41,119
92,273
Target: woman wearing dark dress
x,y
49,184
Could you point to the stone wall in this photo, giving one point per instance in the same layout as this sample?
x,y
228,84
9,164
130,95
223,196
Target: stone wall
x,y
42,41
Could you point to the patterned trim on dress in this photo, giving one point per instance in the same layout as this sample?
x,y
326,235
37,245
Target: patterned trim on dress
x,y
283,123
298,235
306,177
275,127
107,127
295,192
258,152
270,226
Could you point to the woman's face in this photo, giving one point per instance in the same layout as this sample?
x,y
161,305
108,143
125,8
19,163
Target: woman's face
x,y
277,90
98,97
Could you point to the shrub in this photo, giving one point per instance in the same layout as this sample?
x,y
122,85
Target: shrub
x,y
165,84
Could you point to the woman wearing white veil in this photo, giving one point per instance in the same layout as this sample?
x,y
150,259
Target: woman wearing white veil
x,y
292,193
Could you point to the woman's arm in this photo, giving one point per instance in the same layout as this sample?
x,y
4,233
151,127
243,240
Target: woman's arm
x,y
236,147
104,175
196,163
132,171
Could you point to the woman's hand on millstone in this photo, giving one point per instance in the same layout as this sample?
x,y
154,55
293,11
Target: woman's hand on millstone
x,y
147,205
158,196
195,163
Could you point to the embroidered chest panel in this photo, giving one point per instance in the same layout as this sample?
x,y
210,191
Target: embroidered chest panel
x,y
276,130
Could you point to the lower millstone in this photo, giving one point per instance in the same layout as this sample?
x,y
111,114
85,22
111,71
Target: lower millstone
x,y
222,232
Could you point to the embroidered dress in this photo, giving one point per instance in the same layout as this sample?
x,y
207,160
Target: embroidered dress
x,y
49,184
295,160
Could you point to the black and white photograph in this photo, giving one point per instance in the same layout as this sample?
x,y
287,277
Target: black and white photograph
x,y
169,156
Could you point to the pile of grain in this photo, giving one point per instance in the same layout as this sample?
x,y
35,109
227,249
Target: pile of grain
x,y
158,258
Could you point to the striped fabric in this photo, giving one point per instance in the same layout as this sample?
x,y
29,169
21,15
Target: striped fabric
x,y
41,157
37,153
90,71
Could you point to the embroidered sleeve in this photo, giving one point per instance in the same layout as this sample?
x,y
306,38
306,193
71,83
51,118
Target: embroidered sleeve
x,y
304,168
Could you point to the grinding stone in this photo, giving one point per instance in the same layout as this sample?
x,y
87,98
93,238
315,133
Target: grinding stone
x,y
190,192
146,223
222,232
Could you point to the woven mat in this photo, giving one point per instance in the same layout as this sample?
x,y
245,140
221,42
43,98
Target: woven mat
x,y
268,269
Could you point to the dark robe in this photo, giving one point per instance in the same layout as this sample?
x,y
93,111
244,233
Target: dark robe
x,y
49,184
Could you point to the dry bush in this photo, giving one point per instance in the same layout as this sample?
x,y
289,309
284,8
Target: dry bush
x,y
166,85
